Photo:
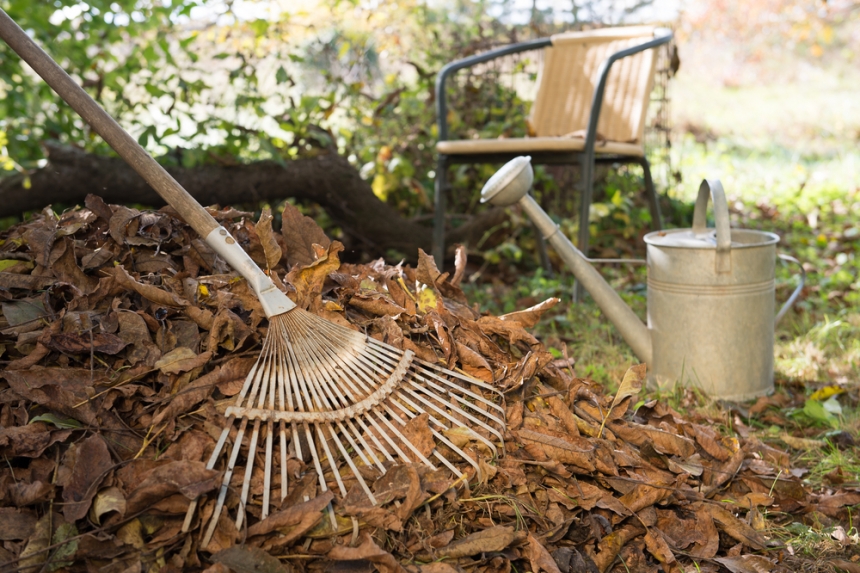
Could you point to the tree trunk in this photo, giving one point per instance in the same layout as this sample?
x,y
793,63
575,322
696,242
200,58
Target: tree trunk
x,y
327,179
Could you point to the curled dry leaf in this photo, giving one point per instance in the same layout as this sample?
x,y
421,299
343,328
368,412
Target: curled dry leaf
x,y
300,234
271,249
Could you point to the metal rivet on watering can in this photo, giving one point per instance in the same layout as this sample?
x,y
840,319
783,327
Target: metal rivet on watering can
x,y
710,293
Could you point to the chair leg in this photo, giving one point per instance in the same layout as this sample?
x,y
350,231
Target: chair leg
x,y
439,214
584,210
653,200
543,253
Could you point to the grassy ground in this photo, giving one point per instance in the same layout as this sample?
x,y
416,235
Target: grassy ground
x,y
790,165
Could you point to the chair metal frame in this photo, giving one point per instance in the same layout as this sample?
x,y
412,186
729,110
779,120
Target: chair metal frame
x,y
587,157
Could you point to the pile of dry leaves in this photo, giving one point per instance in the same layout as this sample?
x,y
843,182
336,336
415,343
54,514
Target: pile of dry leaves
x,y
123,337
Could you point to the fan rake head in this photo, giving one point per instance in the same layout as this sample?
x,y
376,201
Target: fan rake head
x,y
335,394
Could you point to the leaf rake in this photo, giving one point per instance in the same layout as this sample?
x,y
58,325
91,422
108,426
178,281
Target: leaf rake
x,y
326,392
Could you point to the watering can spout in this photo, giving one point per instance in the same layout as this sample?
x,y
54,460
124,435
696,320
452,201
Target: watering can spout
x,y
511,185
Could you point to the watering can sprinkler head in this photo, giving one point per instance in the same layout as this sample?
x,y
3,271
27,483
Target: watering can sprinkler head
x,y
510,183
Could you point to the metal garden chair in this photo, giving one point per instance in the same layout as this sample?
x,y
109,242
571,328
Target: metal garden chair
x,y
592,97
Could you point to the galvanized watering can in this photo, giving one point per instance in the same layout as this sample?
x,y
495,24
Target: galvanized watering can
x,y
710,293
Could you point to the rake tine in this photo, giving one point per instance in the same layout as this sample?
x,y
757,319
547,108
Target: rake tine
x,y
442,392
380,447
321,403
386,437
404,439
216,453
290,389
345,433
465,391
451,418
354,469
315,457
225,483
462,390
249,468
439,437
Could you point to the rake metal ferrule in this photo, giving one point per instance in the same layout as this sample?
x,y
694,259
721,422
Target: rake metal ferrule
x,y
273,300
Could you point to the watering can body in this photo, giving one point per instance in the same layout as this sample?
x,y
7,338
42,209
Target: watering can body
x,y
710,293
711,329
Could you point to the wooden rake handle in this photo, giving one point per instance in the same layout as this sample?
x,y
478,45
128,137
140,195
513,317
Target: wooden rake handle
x,y
103,124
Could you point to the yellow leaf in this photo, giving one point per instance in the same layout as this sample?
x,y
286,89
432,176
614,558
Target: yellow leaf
x,y
819,395
405,289
202,291
380,186
26,184
426,300
8,263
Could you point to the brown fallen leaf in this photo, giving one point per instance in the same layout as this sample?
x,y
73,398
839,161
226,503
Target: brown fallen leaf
x,y
417,431
529,317
248,560
108,500
484,541
559,449
658,547
460,256
29,441
271,249
308,280
67,270
733,526
691,531
182,359
16,524
147,291
367,550
191,479
376,304
662,441
746,564
300,234
610,546
510,330
539,557
33,554
401,482
78,343
294,521
92,461
631,385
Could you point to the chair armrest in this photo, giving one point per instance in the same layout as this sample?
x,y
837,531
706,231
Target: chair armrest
x,y
451,68
597,99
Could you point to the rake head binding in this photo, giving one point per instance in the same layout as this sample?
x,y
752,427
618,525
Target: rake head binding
x,y
321,391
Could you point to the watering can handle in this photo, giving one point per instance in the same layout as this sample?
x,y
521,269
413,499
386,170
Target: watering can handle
x,y
713,189
794,295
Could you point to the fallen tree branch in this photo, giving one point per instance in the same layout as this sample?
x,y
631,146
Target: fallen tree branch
x,y
327,179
